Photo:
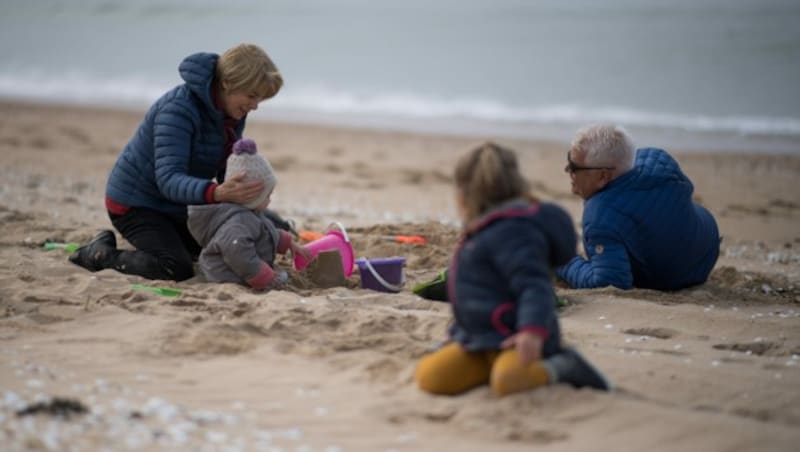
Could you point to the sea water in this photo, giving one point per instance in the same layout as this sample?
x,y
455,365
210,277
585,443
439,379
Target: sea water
x,y
696,74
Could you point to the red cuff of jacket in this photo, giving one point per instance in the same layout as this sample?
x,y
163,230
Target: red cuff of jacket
x,y
210,193
115,207
537,330
263,278
284,241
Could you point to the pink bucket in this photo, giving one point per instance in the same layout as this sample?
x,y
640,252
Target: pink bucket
x,y
331,241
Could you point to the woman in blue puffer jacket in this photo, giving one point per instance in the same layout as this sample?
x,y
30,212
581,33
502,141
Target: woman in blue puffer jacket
x,y
173,160
505,330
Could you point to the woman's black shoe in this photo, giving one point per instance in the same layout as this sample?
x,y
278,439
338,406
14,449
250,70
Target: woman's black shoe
x,y
94,255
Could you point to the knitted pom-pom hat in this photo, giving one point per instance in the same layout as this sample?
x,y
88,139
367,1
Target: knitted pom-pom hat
x,y
245,158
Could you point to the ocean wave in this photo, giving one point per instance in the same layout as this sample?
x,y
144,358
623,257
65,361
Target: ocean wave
x,y
409,105
74,87
140,91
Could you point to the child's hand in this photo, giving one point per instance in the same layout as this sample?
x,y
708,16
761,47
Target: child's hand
x,y
280,281
298,249
529,346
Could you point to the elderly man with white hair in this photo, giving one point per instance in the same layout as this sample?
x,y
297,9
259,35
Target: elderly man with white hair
x,y
640,225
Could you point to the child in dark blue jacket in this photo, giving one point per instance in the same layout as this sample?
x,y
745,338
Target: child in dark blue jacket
x,y
505,330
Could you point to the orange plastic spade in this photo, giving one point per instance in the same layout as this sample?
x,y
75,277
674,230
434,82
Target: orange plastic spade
x,y
410,239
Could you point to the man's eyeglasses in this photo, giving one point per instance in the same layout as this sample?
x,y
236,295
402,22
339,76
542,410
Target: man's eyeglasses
x,y
572,167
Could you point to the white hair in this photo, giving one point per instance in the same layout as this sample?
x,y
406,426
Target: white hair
x,y
605,145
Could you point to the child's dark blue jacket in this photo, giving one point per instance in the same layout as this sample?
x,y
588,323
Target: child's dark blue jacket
x,y
644,230
178,148
500,278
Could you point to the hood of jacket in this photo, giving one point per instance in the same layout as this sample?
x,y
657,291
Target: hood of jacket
x,y
653,168
205,220
198,71
554,222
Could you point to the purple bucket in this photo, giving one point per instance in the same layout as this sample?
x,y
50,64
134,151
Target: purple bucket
x,y
383,274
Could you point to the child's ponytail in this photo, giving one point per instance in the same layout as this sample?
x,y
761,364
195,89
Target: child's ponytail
x,y
488,176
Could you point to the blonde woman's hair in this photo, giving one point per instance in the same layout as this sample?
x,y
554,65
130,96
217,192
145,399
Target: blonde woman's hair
x,y
488,176
247,68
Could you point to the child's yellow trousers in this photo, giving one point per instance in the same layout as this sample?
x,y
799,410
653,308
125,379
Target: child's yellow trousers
x,y
452,370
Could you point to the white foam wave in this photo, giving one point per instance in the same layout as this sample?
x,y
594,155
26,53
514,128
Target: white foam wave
x,y
75,87
141,91
409,105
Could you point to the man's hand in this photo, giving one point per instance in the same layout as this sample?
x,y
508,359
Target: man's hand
x,y
529,346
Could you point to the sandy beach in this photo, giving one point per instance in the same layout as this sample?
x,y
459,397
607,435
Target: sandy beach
x,y
221,367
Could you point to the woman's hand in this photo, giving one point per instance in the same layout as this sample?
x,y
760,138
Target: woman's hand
x,y
235,190
529,346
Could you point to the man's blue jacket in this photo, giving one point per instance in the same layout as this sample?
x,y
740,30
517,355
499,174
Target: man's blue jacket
x,y
643,230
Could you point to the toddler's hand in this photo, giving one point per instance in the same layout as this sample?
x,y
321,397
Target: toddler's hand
x,y
281,280
299,249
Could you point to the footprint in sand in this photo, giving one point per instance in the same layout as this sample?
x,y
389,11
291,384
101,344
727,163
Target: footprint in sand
x,y
536,436
40,143
762,415
375,186
332,168
75,134
783,204
282,163
79,187
751,348
40,299
14,216
46,319
10,141
415,177
658,333
195,305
